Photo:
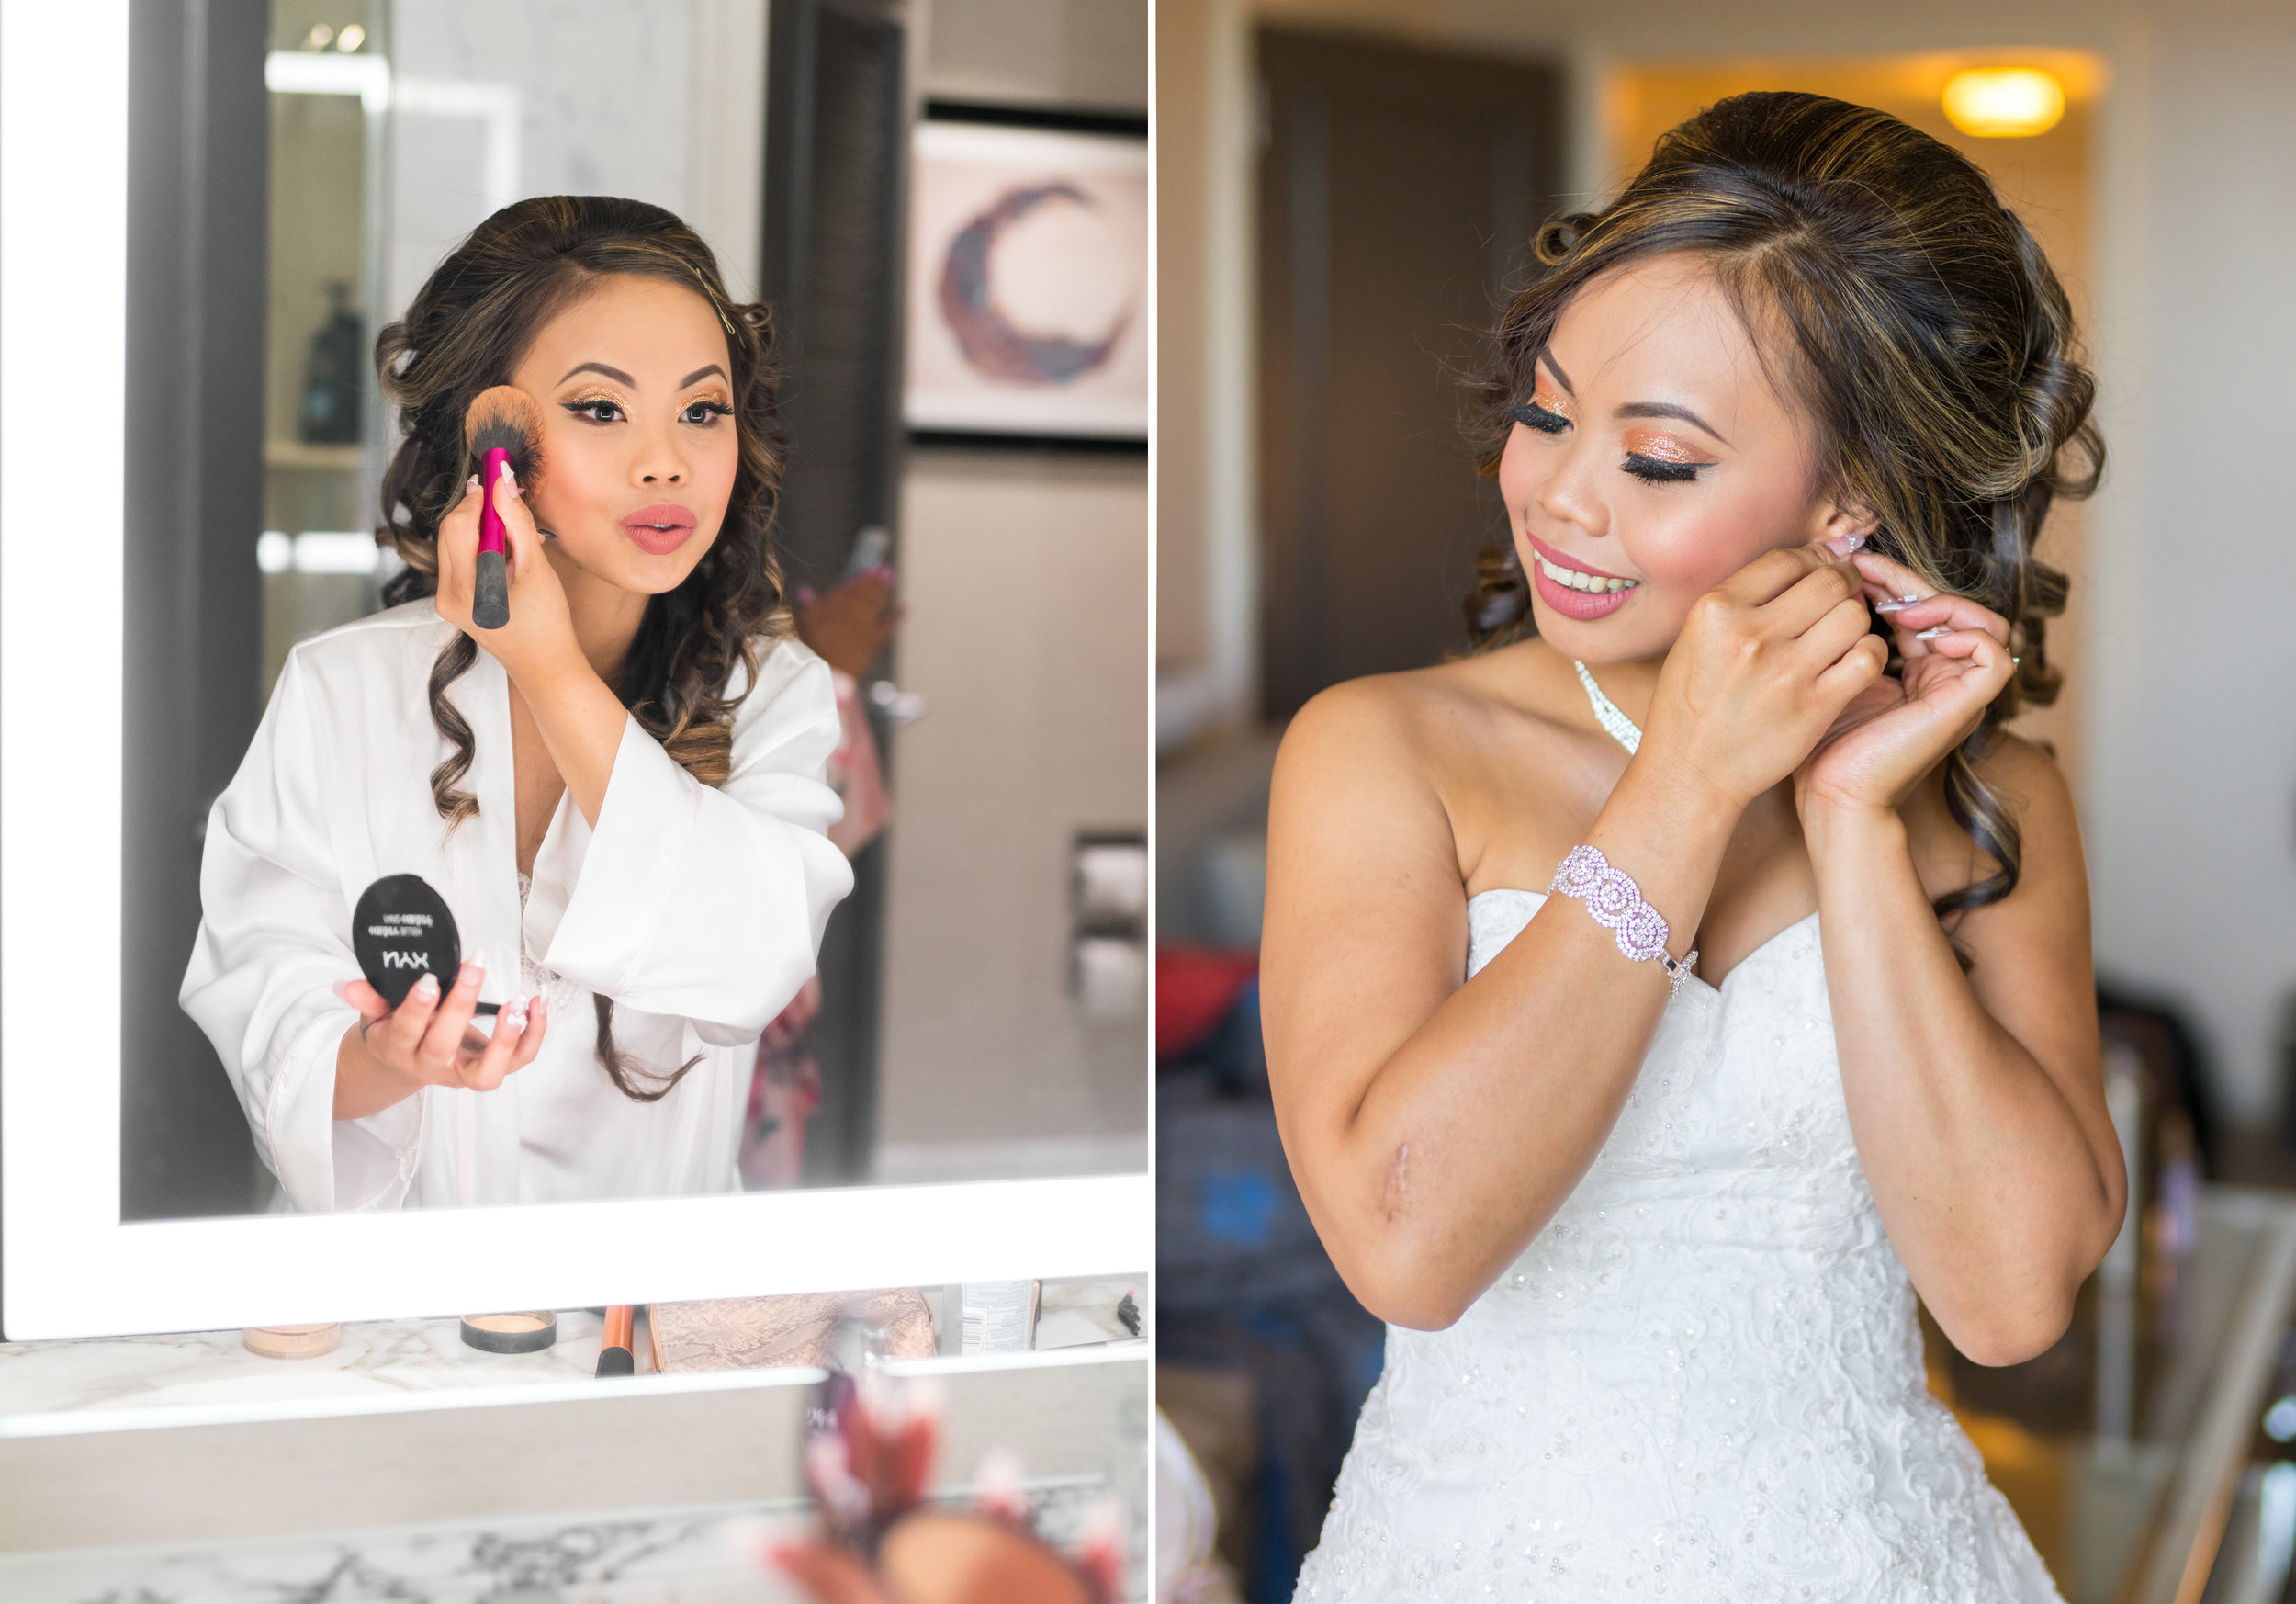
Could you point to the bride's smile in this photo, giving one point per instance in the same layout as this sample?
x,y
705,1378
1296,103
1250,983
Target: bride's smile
x,y
1653,458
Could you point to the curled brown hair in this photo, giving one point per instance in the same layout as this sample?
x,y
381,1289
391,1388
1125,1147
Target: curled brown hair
x,y
1925,334
466,331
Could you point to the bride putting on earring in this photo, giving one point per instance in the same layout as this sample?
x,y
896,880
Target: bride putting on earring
x,y
1659,998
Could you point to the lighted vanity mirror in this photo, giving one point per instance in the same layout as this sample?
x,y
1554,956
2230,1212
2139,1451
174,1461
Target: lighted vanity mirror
x,y
198,1126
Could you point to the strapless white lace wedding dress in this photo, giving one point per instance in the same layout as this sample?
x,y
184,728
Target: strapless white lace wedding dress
x,y
1703,1379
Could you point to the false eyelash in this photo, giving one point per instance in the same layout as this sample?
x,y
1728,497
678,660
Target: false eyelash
x,y
1652,470
580,409
718,408
1532,415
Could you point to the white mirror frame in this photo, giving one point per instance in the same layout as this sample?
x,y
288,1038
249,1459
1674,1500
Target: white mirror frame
x,y
69,1267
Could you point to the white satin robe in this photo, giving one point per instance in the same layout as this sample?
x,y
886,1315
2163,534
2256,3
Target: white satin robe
x,y
698,910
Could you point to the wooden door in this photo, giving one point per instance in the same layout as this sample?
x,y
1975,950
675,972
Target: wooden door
x,y
1398,192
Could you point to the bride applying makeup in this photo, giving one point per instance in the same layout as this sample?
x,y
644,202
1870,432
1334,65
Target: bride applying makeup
x,y
1647,1199
620,793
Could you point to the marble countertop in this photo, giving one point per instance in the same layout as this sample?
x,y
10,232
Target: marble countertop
x,y
99,1382
689,1556
696,1555
183,1370
110,1389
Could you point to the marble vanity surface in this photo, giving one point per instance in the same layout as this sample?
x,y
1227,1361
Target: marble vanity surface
x,y
111,1390
693,1556
190,1377
115,1383
697,1556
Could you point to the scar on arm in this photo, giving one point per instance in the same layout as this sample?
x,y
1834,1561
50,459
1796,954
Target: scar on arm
x,y
1398,1183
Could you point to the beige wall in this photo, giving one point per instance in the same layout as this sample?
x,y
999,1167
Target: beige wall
x,y
2188,749
1026,577
1028,637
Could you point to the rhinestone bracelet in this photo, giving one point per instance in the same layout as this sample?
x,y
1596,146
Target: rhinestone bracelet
x,y
1615,903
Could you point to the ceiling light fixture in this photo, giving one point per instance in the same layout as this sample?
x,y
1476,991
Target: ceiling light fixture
x,y
2004,103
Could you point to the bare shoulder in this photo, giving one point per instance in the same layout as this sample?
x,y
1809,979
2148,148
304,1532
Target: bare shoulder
x,y
2025,816
1364,776
2023,780
2025,772
1436,719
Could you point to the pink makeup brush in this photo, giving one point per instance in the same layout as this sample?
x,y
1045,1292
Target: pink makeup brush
x,y
504,424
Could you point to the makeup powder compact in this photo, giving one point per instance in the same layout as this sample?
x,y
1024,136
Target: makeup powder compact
x,y
401,931
525,1331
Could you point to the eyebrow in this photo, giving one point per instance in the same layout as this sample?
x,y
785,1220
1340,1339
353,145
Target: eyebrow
x,y
1636,408
613,373
1669,410
695,378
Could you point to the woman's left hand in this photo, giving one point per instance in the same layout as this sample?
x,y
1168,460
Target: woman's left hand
x,y
1956,661
540,634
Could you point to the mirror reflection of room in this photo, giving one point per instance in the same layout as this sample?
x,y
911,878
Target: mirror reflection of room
x,y
1348,196
882,917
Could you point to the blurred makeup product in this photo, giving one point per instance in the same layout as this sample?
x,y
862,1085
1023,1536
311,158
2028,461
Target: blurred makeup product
x,y
869,549
525,1331
999,1315
503,428
614,1357
791,1329
936,1558
870,1450
292,1341
401,931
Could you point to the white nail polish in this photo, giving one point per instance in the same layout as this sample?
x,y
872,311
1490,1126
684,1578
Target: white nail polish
x,y
1895,605
1933,634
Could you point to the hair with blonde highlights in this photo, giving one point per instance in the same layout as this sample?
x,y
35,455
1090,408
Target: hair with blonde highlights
x,y
1917,323
466,331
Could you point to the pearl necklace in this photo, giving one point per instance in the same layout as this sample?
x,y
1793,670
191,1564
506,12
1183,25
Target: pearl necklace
x,y
1622,730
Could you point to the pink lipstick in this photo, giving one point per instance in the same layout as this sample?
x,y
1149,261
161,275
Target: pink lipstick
x,y
661,529
1562,598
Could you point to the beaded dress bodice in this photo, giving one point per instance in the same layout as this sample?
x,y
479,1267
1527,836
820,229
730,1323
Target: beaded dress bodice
x,y
1703,1379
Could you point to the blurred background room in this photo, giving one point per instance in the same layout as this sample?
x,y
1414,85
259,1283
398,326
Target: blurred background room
x,y
1345,189
981,575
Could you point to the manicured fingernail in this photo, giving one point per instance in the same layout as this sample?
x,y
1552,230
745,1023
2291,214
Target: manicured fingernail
x,y
1933,634
471,973
1842,545
473,485
426,988
342,988
1895,605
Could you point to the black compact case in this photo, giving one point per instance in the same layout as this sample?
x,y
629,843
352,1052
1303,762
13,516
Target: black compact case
x,y
401,931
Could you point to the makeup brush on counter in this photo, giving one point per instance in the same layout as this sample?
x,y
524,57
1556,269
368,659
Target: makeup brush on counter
x,y
503,424
614,1357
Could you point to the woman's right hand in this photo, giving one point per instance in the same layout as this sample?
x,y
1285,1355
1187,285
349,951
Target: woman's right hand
x,y
540,635
429,1041
1765,662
